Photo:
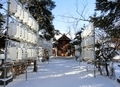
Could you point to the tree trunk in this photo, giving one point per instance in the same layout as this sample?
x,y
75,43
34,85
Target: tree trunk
x,y
35,66
106,67
99,69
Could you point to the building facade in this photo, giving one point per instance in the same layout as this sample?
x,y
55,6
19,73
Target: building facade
x,y
63,47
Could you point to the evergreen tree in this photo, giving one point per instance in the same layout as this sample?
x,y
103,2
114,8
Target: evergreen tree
x,y
106,17
109,15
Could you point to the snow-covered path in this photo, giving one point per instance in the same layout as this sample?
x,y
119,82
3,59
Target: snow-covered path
x,y
62,73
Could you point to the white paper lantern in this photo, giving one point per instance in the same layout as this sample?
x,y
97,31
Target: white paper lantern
x,y
35,39
12,30
37,27
24,39
24,53
25,17
13,53
13,6
19,54
31,38
35,53
29,53
17,32
22,33
22,14
33,25
20,29
28,37
30,22
32,52
26,34
19,9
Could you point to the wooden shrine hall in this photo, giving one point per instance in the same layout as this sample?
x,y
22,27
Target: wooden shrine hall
x,y
63,47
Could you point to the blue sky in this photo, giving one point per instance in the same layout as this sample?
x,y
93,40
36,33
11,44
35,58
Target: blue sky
x,y
68,8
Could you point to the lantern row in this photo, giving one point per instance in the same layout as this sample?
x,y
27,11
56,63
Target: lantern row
x,y
21,33
88,42
23,15
15,53
19,53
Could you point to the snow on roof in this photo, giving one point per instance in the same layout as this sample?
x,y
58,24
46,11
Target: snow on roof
x,y
71,37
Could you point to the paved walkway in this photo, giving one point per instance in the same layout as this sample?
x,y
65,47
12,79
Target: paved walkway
x,y
62,73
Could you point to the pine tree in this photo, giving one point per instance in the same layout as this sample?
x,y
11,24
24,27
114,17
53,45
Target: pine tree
x,y
109,14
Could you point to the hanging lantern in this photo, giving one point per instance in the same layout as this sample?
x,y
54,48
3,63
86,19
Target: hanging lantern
x,y
22,14
25,17
13,6
29,53
19,9
30,22
22,33
26,34
24,53
12,30
13,53
18,31
19,53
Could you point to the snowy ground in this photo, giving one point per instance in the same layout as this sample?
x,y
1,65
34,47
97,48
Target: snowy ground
x,y
62,73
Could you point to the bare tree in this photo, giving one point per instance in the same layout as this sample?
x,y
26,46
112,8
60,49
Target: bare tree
x,y
75,21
